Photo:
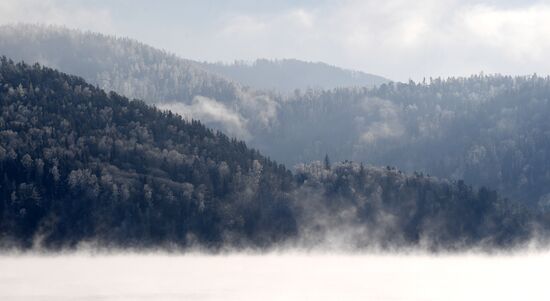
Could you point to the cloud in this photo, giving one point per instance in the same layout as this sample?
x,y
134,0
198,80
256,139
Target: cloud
x,y
241,120
520,34
58,12
381,120
244,26
260,109
211,112
302,17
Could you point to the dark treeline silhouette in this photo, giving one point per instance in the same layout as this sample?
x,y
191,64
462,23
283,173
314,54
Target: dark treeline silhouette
x,y
350,205
80,165
77,164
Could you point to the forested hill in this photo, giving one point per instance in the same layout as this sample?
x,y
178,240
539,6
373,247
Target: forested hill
x,y
192,89
490,130
123,65
136,70
288,75
78,165
350,206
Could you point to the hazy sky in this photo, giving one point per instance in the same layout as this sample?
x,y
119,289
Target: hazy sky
x,y
399,39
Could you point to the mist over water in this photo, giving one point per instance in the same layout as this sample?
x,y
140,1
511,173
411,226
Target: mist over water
x,y
278,276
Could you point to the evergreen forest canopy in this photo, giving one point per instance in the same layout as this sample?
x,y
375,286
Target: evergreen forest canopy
x,y
490,130
79,165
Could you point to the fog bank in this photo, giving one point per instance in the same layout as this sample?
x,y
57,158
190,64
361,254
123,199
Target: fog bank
x,y
274,277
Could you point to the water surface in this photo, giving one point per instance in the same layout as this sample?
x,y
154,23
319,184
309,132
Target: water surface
x,y
274,277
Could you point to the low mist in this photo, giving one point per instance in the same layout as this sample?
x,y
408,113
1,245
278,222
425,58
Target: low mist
x,y
275,276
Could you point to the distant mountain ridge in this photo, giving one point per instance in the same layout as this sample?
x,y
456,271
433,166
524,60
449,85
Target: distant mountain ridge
x,y
288,75
116,64
140,71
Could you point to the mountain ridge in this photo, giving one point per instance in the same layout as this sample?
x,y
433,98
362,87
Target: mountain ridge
x,y
288,75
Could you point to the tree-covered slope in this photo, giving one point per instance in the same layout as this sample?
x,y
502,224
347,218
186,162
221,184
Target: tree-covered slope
x,y
115,64
136,70
489,130
351,206
78,165
288,75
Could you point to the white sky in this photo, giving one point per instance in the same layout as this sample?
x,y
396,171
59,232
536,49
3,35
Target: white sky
x,y
399,39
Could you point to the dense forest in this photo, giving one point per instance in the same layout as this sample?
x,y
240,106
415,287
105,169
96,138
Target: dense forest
x,y
288,75
79,165
355,206
490,130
